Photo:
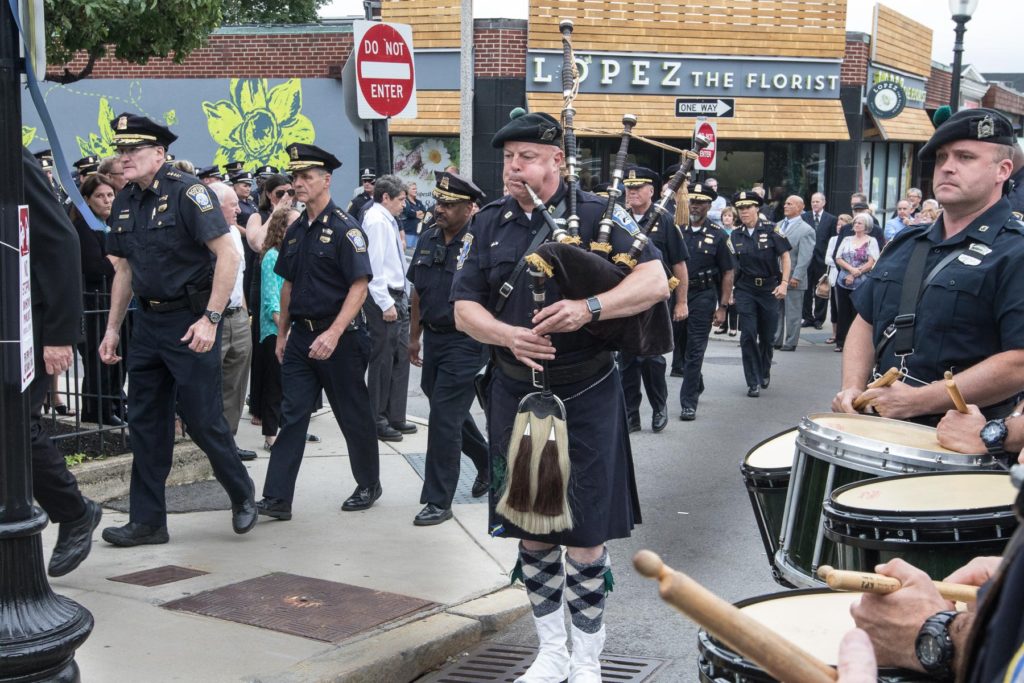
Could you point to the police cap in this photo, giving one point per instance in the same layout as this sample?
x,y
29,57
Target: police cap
x,y
746,198
208,172
601,189
234,167
87,165
699,192
304,157
132,130
453,188
45,158
537,127
368,175
240,177
985,125
267,170
637,176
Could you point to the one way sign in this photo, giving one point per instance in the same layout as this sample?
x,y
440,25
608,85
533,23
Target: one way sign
x,y
713,107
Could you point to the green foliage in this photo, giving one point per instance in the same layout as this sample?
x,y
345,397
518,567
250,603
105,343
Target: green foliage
x,y
271,11
28,134
76,459
101,145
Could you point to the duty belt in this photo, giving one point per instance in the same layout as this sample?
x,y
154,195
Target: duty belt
x,y
321,324
440,329
761,282
558,375
164,305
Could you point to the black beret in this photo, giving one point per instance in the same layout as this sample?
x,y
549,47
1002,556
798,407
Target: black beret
x,y
208,172
240,177
746,198
367,174
985,125
537,127
454,188
234,167
87,165
700,192
132,130
266,170
305,156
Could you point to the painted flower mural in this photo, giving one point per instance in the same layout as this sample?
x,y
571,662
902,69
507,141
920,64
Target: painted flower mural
x,y
416,159
257,122
101,145
28,134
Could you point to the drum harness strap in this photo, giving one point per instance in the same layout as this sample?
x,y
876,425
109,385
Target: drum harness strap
x,y
543,232
900,333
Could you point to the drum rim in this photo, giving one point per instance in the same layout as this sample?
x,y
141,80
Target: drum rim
x,y
744,467
871,513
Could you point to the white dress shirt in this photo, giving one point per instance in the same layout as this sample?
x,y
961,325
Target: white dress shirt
x,y
387,257
236,300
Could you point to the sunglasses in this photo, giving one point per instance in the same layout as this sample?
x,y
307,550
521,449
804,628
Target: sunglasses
x,y
280,193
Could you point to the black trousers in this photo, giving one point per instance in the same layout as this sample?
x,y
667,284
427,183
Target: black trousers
x,y
341,377
450,362
814,308
160,368
651,369
846,310
702,307
268,406
759,316
53,485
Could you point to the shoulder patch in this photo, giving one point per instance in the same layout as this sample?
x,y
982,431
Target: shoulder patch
x,y
622,218
200,197
467,243
355,236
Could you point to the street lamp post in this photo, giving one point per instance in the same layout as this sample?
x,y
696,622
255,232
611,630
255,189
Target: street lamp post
x,y
961,11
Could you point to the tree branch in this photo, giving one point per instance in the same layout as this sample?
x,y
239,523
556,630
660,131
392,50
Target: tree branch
x,y
68,77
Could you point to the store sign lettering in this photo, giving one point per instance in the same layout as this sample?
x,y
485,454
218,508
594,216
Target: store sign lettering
x,y
913,88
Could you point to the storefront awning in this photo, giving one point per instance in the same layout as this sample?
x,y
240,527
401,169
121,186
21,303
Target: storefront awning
x,y
437,114
754,119
911,125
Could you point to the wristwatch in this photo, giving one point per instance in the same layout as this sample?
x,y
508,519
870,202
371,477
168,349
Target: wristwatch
x,y
993,435
934,646
213,316
594,306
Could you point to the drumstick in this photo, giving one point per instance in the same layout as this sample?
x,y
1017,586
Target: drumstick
x,y
842,580
890,376
954,393
779,657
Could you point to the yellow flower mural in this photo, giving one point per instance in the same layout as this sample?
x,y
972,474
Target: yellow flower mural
x,y
28,134
101,145
257,122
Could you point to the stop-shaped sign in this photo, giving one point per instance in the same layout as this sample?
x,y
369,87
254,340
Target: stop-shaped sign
x,y
384,70
708,155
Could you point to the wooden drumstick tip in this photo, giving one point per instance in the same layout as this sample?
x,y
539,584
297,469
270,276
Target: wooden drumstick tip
x,y
824,571
948,375
648,564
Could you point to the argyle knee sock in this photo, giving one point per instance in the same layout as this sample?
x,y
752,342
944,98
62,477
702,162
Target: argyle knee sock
x,y
544,576
587,584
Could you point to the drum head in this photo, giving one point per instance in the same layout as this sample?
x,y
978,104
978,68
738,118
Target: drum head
x,y
774,453
943,493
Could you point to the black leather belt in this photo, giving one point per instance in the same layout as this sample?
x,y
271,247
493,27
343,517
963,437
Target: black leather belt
x,y
700,286
761,282
558,375
321,324
440,329
231,310
164,305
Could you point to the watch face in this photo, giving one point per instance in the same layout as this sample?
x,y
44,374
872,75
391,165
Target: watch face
x,y
929,651
992,432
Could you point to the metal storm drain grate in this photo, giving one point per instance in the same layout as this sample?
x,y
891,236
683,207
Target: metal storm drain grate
x,y
504,663
301,606
158,576
467,475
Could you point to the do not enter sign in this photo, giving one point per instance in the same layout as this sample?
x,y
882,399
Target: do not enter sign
x,y
385,71
708,155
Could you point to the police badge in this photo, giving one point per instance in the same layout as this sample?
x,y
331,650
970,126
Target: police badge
x,y
986,128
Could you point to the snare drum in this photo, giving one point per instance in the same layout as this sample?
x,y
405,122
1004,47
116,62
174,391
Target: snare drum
x,y
834,450
814,620
766,475
936,521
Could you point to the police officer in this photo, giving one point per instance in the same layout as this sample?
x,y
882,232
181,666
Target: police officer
x,y
326,270
641,185
762,278
968,311
86,166
242,181
451,359
164,226
209,175
494,304
711,280
363,199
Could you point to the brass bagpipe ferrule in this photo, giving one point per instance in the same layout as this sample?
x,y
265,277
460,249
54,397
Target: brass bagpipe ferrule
x,y
603,243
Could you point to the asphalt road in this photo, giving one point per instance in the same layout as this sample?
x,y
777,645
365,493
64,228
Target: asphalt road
x,y
696,513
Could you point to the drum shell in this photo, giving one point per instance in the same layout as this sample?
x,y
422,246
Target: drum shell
x,y
766,487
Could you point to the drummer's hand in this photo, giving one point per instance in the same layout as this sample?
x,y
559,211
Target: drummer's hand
x,y
894,620
962,431
567,315
526,345
975,573
896,401
843,401
857,658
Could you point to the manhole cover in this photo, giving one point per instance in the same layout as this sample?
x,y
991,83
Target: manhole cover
x,y
159,576
202,496
301,606
504,663
467,475
723,360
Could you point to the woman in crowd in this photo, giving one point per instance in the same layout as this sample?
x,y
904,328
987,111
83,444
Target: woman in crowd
x,y
732,318
854,257
412,216
842,220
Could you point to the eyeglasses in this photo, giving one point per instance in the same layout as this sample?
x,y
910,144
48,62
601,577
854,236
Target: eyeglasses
x,y
280,193
131,151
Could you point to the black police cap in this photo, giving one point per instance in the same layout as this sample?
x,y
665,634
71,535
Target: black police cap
x,y
267,170
240,177
87,165
208,172
454,188
367,174
984,125
699,192
636,176
303,157
132,130
234,167
747,198
45,158
537,127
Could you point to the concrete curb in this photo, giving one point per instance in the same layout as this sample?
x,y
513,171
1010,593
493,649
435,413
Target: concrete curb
x,y
108,479
412,649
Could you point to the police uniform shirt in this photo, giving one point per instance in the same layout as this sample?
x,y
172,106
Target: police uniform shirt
x,y
163,230
758,253
358,202
708,251
322,259
501,232
974,306
666,237
431,273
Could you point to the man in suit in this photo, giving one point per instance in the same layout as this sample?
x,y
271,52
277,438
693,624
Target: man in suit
x,y
802,238
824,224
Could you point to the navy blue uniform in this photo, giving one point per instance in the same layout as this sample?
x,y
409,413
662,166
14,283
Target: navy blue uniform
x,y
709,261
162,231
970,310
321,259
757,274
451,360
358,205
651,369
602,486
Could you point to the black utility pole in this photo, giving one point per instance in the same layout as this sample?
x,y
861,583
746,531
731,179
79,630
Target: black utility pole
x,y
39,630
378,127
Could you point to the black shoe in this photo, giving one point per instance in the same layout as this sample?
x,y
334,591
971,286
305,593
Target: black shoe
x,y
362,499
244,515
276,508
818,326
132,534
788,348
431,515
404,427
114,421
312,438
659,421
776,346
74,540
766,381
388,433
676,373
634,424
688,414
480,487
806,323
753,391
245,455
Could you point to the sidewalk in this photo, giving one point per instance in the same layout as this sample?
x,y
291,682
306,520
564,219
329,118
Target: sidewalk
x,y
453,565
